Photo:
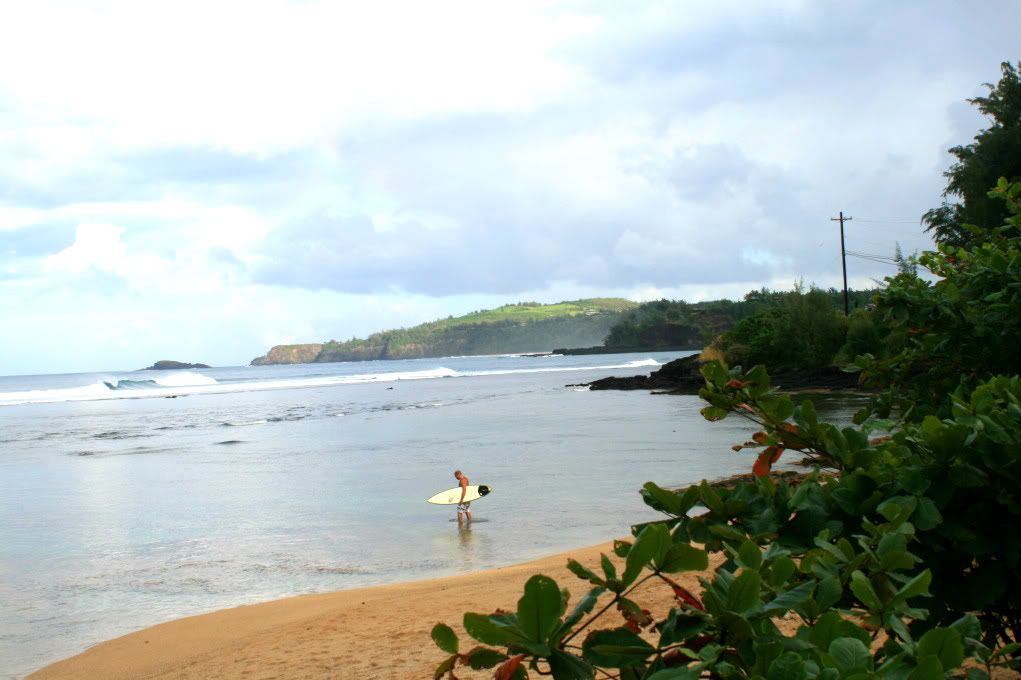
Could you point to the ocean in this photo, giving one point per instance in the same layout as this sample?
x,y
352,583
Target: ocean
x,y
132,498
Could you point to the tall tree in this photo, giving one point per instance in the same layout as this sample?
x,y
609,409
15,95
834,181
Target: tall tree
x,y
995,153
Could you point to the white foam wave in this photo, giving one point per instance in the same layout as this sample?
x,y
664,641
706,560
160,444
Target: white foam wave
x,y
641,363
184,380
177,385
182,384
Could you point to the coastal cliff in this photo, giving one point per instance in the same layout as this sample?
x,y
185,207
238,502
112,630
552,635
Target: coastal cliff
x,y
520,328
289,354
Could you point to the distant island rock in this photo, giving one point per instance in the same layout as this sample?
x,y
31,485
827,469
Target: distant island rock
x,y
168,365
289,354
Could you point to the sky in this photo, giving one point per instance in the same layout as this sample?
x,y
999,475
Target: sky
x,y
200,181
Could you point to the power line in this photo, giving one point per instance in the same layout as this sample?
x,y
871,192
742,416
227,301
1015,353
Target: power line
x,y
877,256
878,259
889,220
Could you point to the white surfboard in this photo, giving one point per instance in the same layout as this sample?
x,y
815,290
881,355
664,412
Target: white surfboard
x,y
453,496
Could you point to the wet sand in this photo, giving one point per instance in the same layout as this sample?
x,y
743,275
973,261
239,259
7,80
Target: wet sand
x,y
379,632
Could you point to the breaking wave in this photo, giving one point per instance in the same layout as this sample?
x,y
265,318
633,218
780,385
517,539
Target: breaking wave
x,y
187,383
172,380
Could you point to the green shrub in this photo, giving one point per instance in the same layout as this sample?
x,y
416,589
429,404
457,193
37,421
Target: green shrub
x,y
804,331
901,565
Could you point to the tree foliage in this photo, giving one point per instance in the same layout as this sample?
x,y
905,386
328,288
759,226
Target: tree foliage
x,y
804,331
675,323
995,152
895,557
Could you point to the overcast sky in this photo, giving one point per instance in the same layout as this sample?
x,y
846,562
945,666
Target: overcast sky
x,y
202,180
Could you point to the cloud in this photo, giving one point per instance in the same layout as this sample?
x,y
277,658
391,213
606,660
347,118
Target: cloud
x,y
333,162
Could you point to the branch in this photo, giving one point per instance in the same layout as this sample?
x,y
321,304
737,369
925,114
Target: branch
x,y
615,600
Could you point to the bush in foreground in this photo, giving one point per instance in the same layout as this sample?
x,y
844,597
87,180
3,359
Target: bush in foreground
x,y
902,565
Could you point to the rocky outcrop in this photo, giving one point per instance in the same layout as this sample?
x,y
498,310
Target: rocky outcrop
x,y
289,354
602,349
168,365
681,376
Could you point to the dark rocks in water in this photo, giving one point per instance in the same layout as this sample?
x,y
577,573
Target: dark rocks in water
x,y
793,478
167,365
601,349
681,376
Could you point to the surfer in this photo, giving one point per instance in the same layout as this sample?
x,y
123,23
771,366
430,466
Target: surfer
x,y
461,505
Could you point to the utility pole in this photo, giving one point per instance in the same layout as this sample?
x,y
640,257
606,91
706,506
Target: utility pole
x,y
843,257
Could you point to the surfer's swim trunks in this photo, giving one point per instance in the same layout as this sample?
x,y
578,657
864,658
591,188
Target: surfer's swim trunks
x,y
463,507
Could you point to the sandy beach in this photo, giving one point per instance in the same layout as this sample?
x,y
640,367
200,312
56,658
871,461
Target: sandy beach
x,y
379,632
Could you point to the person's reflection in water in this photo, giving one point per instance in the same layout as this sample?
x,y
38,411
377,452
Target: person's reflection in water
x,y
464,536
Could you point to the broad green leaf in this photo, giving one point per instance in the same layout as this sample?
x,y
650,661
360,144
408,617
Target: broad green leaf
x,y
898,508
680,626
767,650
653,541
1006,650
710,498
714,413
715,374
584,606
744,592
661,499
789,599
789,666
829,592
928,668
894,623
684,673
481,657
863,590
583,572
927,516
804,415
780,571
445,667
566,666
850,655
616,648
749,555
943,643
484,629
539,608
968,626
919,585
609,570
445,638
683,557
830,627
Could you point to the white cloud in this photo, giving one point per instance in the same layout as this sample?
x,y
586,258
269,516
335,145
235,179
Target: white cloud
x,y
262,76
96,246
234,174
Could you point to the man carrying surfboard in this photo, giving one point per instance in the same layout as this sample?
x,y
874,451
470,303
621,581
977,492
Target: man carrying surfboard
x,y
461,505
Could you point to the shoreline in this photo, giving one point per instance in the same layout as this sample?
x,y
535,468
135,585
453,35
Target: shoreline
x,y
376,631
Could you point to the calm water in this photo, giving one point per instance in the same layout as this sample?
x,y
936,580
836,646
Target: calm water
x,y
120,509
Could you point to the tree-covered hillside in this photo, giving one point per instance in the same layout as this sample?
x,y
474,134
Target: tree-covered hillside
x,y
675,323
521,327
